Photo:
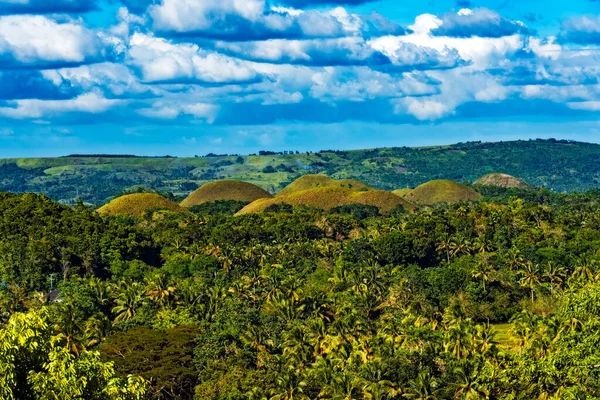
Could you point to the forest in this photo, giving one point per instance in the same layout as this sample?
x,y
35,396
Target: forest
x,y
492,299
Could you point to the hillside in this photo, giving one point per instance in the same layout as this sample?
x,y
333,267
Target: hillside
x,y
311,181
441,191
402,192
330,197
225,190
137,204
557,165
502,181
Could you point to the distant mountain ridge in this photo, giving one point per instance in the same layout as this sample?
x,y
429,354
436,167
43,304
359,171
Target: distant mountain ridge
x,y
559,165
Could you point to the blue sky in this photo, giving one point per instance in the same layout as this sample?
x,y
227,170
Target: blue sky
x,y
187,77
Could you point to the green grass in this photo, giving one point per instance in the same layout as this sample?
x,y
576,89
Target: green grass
x,y
502,180
313,181
225,190
441,191
326,198
137,204
504,337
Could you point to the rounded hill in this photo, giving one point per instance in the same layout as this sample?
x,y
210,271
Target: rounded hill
x,y
314,181
137,204
330,197
225,190
441,191
503,181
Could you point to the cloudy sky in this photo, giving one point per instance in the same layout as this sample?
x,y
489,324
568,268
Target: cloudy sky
x,y
186,77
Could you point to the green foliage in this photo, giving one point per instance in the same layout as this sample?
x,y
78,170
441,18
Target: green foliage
x,y
34,363
491,299
228,207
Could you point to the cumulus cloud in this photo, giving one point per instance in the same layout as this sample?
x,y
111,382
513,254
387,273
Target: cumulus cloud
x,y
38,41
169,111
160,61
46,6
239,20
480,53
92,103
344,51
259,61
478,22
112,79
581,30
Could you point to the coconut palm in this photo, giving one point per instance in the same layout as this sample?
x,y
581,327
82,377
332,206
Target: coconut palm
x,y
159,290
514,259
530,273
483,270
423,387
289,386
468,386
554,275
445,245
128,300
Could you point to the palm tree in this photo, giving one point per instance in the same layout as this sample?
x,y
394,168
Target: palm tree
x,y
96,329
468,386
514,259
159,290
423,387
445,244
530,277
482,245
460,245
483,270
585,268
289,386
288,309
128,300
69,324
554,274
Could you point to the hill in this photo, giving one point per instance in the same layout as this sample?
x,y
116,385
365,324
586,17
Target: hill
x,y
225,190
137,204
313,181
330,197
441,191
503,181
562,166
402,192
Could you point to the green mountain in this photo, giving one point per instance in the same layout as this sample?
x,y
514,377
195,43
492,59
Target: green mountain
x,y
563,166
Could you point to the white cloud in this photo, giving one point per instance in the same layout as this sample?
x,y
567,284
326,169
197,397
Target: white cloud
x,y
92,103
38,40
162,61
480,52
168,110
585,105
190,15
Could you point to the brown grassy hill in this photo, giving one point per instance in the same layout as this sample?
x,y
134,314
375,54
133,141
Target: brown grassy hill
x,y
502,180
330,197
441,191
312,181
402,192
225,190
137,204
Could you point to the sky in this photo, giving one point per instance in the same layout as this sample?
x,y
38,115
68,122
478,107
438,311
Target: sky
x,y
189,77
